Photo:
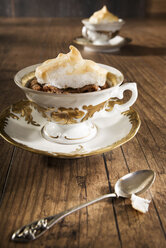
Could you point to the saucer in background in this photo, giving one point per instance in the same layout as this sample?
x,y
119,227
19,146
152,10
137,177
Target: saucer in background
x,y
114,44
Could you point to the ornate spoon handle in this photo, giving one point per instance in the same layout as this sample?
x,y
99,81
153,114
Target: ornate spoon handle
x,y
39,227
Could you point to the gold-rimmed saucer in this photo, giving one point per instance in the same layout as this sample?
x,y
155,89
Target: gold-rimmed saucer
x,y
115,44
22,122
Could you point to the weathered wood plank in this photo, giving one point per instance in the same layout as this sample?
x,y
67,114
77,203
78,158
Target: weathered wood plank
x,y
43,186
138,230
12,36
147,149
155,7
6,155
70,8
154,154
6,151
5,8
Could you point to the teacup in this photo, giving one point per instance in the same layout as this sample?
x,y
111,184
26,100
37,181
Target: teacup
x,y
108,26
110,29
69,117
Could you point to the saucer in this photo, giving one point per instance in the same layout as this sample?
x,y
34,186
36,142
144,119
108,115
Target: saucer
x,y
22,122
115,44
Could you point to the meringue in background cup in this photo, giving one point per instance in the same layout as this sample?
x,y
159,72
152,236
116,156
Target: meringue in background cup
x,y
69,118
101,27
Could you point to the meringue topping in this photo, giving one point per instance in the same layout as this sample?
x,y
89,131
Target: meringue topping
x,y
103,16
72,71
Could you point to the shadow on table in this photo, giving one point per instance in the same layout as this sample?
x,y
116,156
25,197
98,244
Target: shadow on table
x,y
138,50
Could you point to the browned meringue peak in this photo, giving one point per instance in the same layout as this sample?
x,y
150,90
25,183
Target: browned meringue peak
x,y
103,16
71,70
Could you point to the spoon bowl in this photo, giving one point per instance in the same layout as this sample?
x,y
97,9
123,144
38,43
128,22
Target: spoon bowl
x,y
134,183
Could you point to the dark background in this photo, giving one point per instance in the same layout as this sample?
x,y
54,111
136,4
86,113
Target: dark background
x,y
80,8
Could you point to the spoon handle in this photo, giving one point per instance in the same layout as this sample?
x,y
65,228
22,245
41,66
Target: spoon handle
x,y
37,228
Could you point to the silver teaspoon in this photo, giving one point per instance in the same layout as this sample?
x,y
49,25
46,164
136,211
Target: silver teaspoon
x,y
132,183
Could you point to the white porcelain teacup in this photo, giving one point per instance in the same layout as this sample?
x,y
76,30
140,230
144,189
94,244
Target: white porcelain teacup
x,y
101,31
109,26
69,117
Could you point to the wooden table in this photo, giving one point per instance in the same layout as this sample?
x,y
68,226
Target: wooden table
x,y
34,186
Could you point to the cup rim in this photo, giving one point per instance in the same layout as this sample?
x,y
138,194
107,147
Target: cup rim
x,y
19,84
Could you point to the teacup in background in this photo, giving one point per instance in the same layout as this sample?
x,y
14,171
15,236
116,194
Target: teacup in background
x,y
111,29
70,117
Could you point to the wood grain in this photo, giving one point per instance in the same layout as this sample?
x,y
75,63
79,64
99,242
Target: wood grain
x,y
34,186
70,8
156,7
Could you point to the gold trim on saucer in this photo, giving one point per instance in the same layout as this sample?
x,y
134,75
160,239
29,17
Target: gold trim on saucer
x,y
59,136
132,115
44,132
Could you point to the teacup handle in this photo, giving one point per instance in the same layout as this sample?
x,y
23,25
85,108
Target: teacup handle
x,y
127,86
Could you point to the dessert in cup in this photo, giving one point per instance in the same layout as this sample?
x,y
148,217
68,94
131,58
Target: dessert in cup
x,y
72,92
101,27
